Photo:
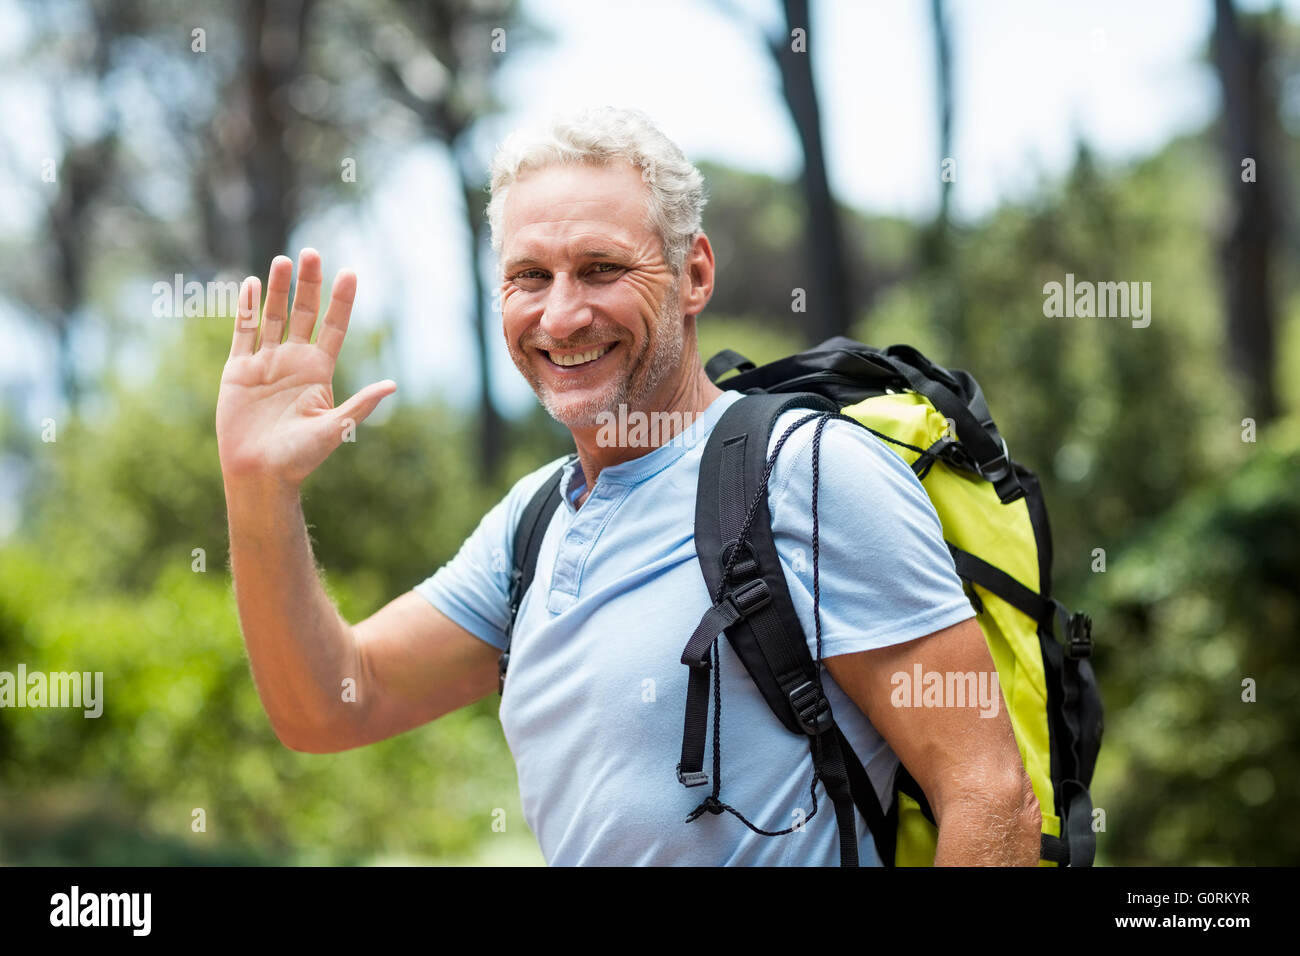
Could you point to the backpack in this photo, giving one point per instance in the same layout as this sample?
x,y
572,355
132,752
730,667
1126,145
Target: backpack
x,y
995,524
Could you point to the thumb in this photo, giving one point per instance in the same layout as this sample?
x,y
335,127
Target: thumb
x,y
360,405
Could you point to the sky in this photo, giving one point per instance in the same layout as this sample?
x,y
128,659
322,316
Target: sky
x,y
1032,78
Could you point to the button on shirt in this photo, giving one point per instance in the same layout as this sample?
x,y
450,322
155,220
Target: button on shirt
x,y
594,699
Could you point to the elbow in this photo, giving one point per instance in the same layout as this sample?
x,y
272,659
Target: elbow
x,y
308,740
296,741
993,819
1023,816
1030,815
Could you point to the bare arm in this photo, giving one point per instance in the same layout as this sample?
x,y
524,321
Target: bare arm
x,y
968,765
276,422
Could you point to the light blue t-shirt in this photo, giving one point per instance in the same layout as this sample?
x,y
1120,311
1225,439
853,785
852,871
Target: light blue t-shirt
x,y
596,691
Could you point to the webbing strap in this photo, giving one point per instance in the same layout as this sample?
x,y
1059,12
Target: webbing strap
x,y
835,777
1054,850
724,362
690,771
997,581
884,828
989,456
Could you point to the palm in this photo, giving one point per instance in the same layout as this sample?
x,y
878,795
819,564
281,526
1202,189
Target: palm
x,y
275,409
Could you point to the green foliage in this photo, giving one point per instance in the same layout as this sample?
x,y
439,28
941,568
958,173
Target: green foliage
x,y
1117,421
758,344
1202,600
103,579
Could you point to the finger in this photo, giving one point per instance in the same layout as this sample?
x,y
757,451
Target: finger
x,y
358,408
335,326
306,297
277,301
250,294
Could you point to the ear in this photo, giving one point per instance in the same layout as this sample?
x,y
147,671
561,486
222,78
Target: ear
x,y
697,277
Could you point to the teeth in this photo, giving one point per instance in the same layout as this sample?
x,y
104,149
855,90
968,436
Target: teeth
x,y
579,359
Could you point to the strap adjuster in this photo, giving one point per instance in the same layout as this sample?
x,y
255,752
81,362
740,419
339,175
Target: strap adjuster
x,y
751,596
697,778
1003,476
811,709
1078,637
746,565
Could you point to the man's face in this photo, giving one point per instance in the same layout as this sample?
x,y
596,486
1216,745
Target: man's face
x,y
590,309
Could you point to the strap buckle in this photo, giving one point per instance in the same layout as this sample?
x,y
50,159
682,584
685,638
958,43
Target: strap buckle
x,y
1000,473
811,709
750,597
1078,637
696,778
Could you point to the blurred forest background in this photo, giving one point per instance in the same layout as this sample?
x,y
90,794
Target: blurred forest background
x,y
1175,448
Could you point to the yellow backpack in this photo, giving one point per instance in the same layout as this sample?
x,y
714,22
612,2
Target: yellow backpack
x,y
995,523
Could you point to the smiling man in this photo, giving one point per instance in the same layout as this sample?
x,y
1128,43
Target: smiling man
x,y
605,271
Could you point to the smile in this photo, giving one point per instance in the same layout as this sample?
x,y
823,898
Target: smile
x,y
575,359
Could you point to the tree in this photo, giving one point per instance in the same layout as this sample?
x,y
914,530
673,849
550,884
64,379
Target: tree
x,y
440,66
1248,247
830,311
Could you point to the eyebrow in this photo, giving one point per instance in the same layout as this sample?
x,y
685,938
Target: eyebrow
x,y
520,262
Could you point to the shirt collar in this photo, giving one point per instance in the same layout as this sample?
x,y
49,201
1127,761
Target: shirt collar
x,y
636,470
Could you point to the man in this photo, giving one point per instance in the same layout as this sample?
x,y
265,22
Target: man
x,y
605,271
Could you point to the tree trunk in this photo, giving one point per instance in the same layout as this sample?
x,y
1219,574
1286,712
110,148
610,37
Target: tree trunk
x,y
273,54
491,443
829,310
1247,248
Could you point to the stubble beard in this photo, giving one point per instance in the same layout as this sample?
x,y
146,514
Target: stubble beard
x,y
648,374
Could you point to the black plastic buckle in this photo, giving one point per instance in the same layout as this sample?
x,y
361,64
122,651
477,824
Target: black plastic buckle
x,y
1078,637
811,709
997,469
696,778
746,565
1003,476
750,597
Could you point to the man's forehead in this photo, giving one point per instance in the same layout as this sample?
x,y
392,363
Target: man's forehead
x,y
576,205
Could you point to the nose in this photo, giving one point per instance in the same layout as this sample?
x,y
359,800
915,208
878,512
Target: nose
x,y
566,310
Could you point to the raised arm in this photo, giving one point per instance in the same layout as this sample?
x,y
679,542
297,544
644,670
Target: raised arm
x,y
276,423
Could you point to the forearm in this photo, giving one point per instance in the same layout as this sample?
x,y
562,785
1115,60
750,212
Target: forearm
x,y
299,646
990,826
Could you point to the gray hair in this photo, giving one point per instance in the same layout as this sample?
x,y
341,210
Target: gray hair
x,y
599,136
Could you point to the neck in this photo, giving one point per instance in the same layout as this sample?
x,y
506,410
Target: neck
x,y
642,430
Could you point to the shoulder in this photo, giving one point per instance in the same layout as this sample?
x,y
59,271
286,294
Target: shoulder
x,y
848,455
524,488
511,507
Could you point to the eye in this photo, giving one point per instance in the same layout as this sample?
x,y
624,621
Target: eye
x,y
599,268
528,280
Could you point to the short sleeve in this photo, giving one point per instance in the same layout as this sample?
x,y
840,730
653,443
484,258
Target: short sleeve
x,y
473,588
886,575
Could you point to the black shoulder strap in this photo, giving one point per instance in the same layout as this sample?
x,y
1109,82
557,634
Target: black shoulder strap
x,y
753,606
527,543
731,471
